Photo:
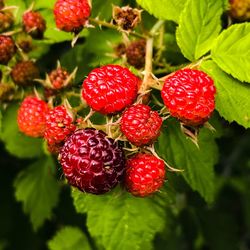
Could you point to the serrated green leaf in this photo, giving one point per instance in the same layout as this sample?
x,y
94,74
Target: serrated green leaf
x,y
232,51
69,238
38,190
232,97
163,9
197,163
199,25
15,142
120,221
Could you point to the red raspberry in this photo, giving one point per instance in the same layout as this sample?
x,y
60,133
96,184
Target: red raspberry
x,y
145,174
71,15
24,73
110,89
7,49
140,124
92,162
6,20
189,96
34,24
31,116
58,78
59,125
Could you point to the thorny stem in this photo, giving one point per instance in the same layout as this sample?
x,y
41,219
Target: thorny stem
x,y
149,57
112,26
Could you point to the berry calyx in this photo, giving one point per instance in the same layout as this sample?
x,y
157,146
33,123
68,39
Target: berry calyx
x,y
145,174
135,53
6,20
140,124
24,73
126,17
7,49
58,78
59,125
92,162
190,96
34,24
31,116
110,89
72,15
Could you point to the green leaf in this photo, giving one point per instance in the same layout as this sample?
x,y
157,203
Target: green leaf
x,y
38,190
15,142
199,25
103,11
163,9
232,98
197,163
69,238
96,51
120,221
231,51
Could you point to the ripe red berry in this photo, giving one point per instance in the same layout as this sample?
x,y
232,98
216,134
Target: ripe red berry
x,y
71,15
140,124
24,73
92,162
7,49
189,96
59,125
110,89
31,116
58,78
145,174
34,24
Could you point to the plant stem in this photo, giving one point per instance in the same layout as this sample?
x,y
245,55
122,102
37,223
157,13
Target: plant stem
x,y
114,27
149,58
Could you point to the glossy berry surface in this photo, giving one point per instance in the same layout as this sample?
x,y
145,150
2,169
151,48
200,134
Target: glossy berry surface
x,y
145,174
59,125
190,96
34,24
31,116
24,73
110,89
58,78
71,15
140,124
92,162
7,49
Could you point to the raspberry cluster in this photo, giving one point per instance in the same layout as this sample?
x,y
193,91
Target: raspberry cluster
x,y
120,148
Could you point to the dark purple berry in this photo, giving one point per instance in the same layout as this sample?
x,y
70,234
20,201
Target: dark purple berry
x,y
92,162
